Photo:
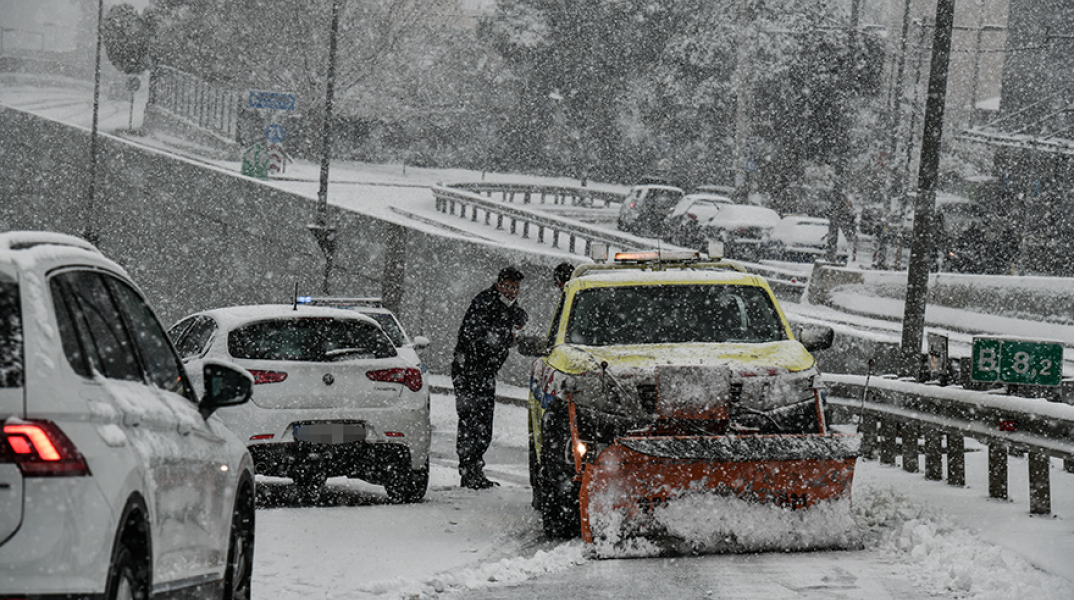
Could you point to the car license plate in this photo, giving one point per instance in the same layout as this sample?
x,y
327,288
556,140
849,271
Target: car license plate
x,y
329,432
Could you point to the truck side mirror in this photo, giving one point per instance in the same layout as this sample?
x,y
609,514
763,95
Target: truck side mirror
x,y
815,337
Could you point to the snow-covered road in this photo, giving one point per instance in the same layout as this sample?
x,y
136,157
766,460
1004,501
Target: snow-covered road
x,y
351,543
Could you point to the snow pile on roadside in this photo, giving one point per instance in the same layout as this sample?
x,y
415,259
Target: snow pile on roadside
x,y
946,558
506,571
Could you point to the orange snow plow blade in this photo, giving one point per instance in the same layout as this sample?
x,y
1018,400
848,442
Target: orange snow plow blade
x,y
634,487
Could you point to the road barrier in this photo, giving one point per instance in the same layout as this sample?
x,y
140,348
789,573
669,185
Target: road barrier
x,y
544,194
521,221
911,419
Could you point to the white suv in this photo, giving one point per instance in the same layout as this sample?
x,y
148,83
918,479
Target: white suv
x,y
115,482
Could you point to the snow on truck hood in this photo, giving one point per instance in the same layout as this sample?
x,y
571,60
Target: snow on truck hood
x,y
785,354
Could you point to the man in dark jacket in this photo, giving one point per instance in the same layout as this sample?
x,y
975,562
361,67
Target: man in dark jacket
x,y
486,335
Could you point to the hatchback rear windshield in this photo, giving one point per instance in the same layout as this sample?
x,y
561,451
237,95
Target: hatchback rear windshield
x,y
311,339
11,365
673,314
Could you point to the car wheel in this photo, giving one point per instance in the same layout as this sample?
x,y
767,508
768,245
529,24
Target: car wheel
x,y
127,578
560,514
406,485
240,553
310,477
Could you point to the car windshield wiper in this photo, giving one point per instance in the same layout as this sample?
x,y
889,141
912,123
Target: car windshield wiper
x,y
337,352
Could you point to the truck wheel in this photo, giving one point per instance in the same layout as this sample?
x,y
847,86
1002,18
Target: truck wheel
x,y
558,492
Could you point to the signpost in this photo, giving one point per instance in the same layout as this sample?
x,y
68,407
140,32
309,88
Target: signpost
x,y
1017,361
272,100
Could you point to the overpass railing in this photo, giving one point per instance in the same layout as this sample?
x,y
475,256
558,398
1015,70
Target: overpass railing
x,y
529,223
912,419
544,194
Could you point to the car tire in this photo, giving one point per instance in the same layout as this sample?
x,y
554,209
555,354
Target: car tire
x,y
405,485
312,477
128,579
240,553
559,506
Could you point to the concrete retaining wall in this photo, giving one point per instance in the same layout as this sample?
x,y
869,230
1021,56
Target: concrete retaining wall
x,y
196,237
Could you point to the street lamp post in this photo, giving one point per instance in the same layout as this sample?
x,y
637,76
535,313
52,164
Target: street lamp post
x,y
325,234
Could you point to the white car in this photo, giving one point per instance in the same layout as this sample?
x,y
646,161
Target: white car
x,y
332,394
799,238
115,481
646,207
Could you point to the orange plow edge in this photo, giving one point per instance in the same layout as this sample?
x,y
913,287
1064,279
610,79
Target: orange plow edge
x,y
628,491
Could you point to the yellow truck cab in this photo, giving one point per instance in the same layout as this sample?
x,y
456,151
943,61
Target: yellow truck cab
x,y
622,325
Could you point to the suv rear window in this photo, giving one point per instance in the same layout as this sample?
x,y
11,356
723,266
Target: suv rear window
x,y
11,369
673,314
310,340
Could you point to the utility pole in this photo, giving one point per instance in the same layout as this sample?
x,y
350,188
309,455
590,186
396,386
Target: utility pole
x,y
325,234
740,84
91,232
917,280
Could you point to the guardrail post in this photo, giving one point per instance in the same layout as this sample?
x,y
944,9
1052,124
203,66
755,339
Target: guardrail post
x,y
888,430
869,424
499,221
570,248
525,229
1040,494
488,217
526,198
441,204
555,238
473,214
997,470
540,234
452,211
933,454
910,462
514,225
956,460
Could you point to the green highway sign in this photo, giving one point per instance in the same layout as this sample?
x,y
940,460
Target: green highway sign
x,y
1007,360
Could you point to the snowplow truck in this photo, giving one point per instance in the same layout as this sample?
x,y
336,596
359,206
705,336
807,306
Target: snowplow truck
x,y
671,396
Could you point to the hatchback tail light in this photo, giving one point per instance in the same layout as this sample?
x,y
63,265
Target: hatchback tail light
x,y
41,449
692,216
267,376
408,377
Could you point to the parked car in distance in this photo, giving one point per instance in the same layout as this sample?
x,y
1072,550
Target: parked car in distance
x,y
683,226
646,207
741,227
116,480
332,394
799,238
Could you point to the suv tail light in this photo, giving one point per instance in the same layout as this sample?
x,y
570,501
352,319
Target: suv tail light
x,y
267,376
408,377
41,449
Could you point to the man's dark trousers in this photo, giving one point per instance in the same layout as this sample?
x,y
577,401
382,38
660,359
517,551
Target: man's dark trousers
x,y
475,400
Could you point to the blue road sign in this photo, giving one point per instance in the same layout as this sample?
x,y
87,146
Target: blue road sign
x,y
274,134
272,100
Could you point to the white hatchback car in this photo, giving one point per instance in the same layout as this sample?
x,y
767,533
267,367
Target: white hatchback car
x,y
115,481
332,395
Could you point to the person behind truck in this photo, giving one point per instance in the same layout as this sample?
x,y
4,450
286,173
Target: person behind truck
x,y
486,335
562,274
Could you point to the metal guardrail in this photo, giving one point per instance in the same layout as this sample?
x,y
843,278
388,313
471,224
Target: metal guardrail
x,y
521,221
895,416
544,194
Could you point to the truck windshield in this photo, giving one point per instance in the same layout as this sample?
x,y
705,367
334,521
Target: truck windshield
x,y
673,314
11,365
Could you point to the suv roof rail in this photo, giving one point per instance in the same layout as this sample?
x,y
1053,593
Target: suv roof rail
x,y
24,240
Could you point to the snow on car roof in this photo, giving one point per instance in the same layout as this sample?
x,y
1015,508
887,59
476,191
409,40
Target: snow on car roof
x,y
230,317
669,276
